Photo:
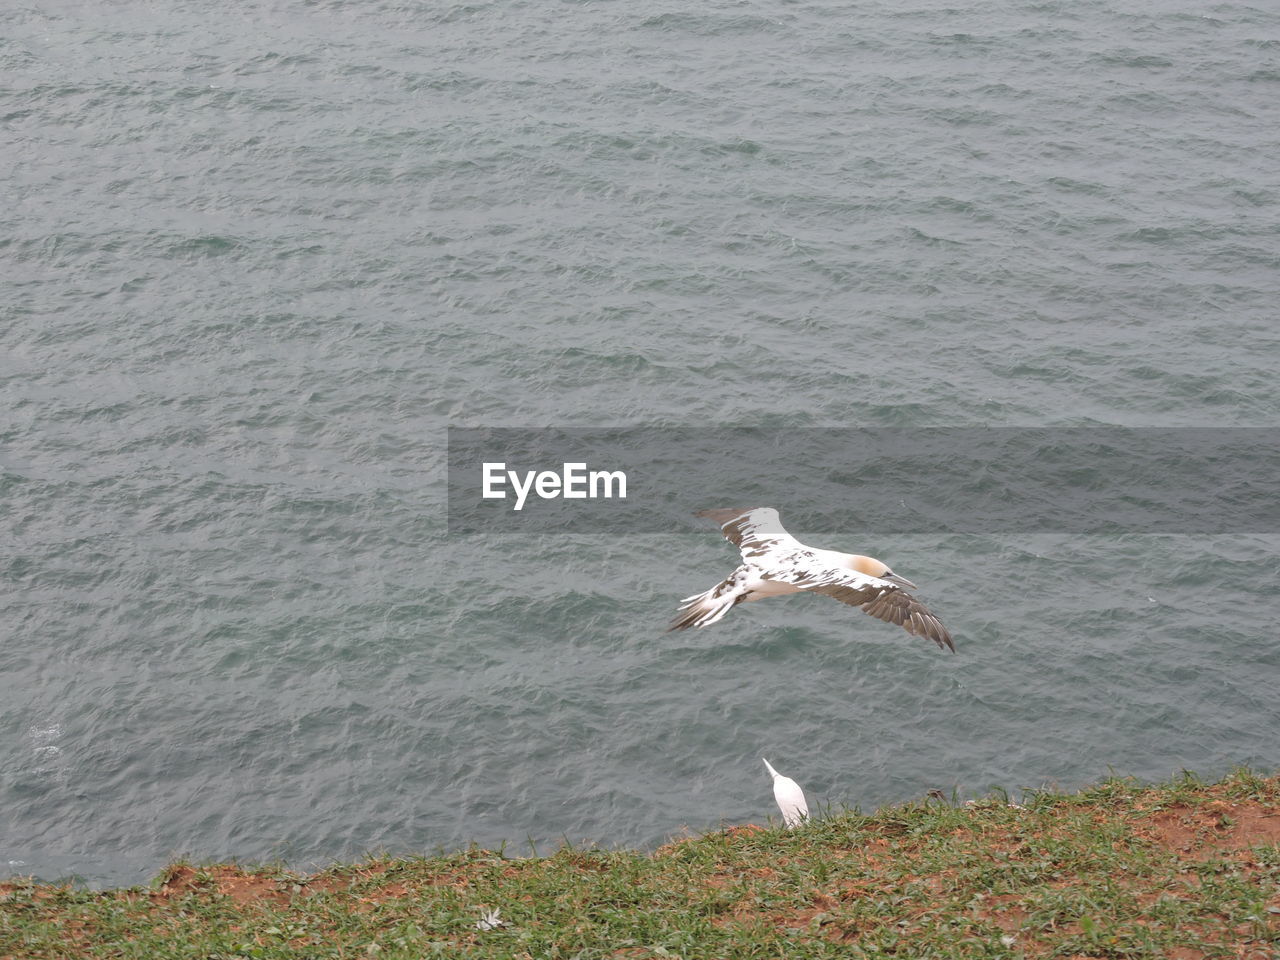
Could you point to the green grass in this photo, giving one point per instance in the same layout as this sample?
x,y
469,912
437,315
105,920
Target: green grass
x,y
1182,870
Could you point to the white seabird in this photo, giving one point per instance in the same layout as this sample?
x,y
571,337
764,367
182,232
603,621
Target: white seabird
x,y
789,796
775,563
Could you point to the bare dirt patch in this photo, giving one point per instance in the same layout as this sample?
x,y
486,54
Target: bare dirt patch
x,y
1204,832
1005,911
243,888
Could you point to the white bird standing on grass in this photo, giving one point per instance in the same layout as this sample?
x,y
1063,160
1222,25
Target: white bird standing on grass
x,y
789,796
776,563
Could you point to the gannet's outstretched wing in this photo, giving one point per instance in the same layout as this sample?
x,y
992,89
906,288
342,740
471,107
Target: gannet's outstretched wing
x,y
882,599
900,607
755,531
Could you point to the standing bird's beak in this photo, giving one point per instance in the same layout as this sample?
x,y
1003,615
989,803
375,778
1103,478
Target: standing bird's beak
x,y
894,578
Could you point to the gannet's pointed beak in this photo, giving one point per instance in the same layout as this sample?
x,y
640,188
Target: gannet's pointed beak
x,y
894,578
772,771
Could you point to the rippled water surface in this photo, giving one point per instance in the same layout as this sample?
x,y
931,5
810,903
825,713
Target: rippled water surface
x,y
259,256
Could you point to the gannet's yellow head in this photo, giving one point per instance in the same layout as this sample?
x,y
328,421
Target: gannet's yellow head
x,y
874,568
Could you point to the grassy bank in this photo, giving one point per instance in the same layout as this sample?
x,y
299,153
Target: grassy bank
x,y
1181,870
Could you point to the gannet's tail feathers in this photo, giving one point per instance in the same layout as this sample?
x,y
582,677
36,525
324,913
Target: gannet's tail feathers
x,y
704,609
708,607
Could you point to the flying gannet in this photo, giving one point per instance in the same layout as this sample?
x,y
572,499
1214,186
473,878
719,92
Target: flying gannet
x,y
789,796
776,563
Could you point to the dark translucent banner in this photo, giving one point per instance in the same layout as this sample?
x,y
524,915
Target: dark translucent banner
x,y
1094,480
